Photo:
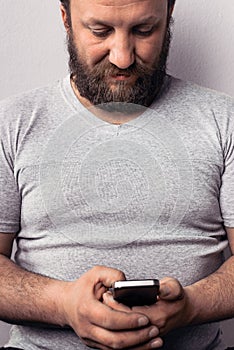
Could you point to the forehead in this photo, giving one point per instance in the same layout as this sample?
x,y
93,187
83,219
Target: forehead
x,y
119,3
124,8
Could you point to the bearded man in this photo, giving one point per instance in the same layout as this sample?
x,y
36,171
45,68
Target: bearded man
x,y
119,171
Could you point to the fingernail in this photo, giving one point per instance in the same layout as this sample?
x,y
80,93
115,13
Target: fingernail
x,y
108,295
153,332
143,321
156,344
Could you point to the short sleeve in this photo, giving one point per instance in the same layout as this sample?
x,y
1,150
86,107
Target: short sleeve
x,y
227,187
9,195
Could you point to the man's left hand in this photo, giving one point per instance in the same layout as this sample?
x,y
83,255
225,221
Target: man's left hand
x,y
172,309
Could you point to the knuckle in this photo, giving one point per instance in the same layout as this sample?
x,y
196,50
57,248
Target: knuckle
x,y
117,344
88,342
120,275
82,334
82,338
88,335
161,323
175,287
105,322
96,268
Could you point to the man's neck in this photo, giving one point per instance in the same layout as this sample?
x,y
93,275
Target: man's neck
x,y
112,118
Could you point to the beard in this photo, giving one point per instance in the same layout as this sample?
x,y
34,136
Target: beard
x,y
92,85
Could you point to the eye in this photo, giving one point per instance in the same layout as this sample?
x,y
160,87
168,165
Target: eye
x,y
143,31
101,33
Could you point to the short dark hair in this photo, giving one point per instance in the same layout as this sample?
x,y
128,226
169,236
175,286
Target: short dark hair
x,y
66,3
171,2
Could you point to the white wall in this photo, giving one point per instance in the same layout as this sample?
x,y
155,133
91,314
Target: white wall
x,y
32,52
203,46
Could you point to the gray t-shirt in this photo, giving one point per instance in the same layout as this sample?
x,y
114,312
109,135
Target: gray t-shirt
x,y
149,197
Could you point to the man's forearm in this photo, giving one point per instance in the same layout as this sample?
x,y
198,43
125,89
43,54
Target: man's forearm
x,y
28,297
212,298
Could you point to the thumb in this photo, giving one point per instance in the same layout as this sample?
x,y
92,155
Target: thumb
x,y
111,302
106,275
171,289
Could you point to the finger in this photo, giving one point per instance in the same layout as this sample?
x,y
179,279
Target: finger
x,y
153,344
111,302
106,275
170,289
105,317
125,339
99,290
94,345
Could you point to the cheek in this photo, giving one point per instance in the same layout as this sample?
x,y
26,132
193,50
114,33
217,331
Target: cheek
x,y
149,52
95,53
150,49
92,53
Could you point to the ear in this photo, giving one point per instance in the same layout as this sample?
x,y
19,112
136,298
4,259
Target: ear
x,y
65,18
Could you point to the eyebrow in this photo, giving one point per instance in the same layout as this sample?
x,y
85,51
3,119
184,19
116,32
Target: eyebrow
x,y
144,20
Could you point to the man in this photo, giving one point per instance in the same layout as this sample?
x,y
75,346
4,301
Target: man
x,y
117,170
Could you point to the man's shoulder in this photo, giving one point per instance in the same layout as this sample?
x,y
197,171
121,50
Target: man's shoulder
x,y
191,92
39,103
29,98
193,104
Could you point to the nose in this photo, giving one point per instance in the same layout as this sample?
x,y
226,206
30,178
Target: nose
x,y
121,52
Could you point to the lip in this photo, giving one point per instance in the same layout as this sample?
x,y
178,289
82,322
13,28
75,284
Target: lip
x,y
120,77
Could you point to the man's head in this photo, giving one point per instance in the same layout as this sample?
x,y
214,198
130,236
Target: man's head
x,y
118,48
66,4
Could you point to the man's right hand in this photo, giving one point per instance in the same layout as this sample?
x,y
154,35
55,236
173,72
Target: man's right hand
x,y
30,298
98,325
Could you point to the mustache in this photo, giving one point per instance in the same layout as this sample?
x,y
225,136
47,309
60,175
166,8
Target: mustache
x,y
105,68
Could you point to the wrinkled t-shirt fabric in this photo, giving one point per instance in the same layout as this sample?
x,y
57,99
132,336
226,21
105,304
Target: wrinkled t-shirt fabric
x,y
150,197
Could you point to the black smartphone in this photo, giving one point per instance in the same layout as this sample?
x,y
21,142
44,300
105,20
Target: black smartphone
x,y
136,292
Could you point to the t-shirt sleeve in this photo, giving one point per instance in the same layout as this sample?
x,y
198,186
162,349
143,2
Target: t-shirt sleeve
x,y
227,187
9,195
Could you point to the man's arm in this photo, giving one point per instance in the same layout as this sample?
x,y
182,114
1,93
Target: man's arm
x,y
230,234
213,297
210,299
28,297
20,289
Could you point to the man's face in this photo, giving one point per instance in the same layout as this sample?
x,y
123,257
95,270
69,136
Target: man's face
x,y
118,49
